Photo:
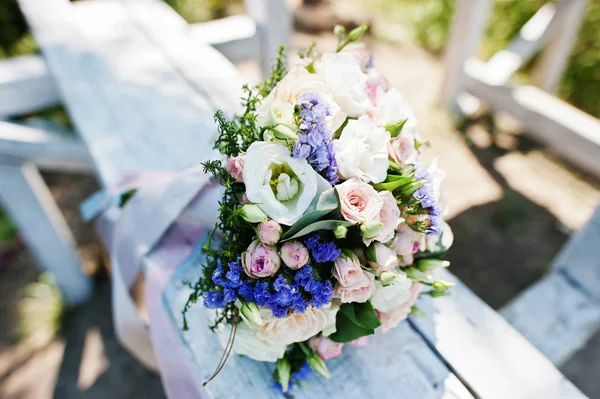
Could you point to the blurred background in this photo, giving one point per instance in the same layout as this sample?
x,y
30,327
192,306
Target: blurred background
x,y
513,203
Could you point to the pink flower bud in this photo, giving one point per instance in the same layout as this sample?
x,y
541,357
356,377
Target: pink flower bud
x,y
269,232
326,348
381,257
347,270
294,254
260,260
235,167
360,342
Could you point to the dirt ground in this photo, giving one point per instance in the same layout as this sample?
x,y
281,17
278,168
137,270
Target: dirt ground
x,y
512,206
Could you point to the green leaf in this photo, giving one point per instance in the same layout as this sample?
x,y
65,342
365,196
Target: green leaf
x,y
365,315
395,128
126,196
327,202
347,330
320,225
395,184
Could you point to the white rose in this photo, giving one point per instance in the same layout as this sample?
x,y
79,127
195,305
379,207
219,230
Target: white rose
x,y
282,186
248,344
390,107
385,299
362,151
348,82
276,107
297,327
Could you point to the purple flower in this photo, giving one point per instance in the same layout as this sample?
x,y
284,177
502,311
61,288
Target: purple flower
x,y
262,296
322,252
214,300
428,201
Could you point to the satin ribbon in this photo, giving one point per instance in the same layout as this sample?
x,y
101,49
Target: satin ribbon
x,y
156,231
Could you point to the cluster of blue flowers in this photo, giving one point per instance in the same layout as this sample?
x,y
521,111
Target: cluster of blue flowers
x,y
426,196
280,295
297,376
322,252
315,138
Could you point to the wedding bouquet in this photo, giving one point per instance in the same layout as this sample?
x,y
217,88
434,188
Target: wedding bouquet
x,y
330,224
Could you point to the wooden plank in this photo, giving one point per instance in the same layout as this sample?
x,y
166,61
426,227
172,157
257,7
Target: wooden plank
x,y
235,37
485,352
567,130
468,25
26,86
132,107
29,203
551,66
46,149
398,364
561,312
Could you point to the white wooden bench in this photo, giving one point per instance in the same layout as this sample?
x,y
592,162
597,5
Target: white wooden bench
x,y
110,96
141,92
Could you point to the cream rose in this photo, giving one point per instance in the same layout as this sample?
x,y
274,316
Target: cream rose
x,y
385,299
282,186
248,344
362,151
393,318
348,82
382,257
297,327
359,292
278,106
359,202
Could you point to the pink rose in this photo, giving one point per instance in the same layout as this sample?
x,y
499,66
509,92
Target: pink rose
x,y
359,292
376,80
392,319
382,258
360,342
406,241
326,348
245,199
235,167
388,216
260,260
402,149
294,254
347,270
269,232
359,202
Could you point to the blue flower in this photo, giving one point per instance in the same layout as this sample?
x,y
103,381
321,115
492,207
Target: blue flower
x,y
262,296
322,252
246,291
233,275
323,295
214,300
217,276
303,372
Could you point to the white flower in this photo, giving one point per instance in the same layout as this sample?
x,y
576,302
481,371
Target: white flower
x,y
297,327
385,299
362,151
391,107
248,344
276,107
348,82
282,186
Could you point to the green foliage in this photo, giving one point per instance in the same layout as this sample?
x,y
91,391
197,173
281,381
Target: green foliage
x,y
232,233
354,320
8,231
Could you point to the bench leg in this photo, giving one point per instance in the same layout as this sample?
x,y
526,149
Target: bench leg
x,y
28,201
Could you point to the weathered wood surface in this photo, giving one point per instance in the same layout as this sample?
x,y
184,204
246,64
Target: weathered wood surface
x,y
485,352
569,131
398,364
559,313
45,148
28,201
26,85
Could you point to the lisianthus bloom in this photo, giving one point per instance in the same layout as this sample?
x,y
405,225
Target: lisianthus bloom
x,y
359,202
362,151
386,298
269,232
326,348
297,327
381,257
235,167
406,241
359,292
392,318
260,260
294,254
282,186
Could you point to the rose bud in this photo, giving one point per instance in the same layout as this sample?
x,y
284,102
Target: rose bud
x,y
326,348
252,213
359,292
381,257
294,254
260,260
340,231
269,232
235,167
347,269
